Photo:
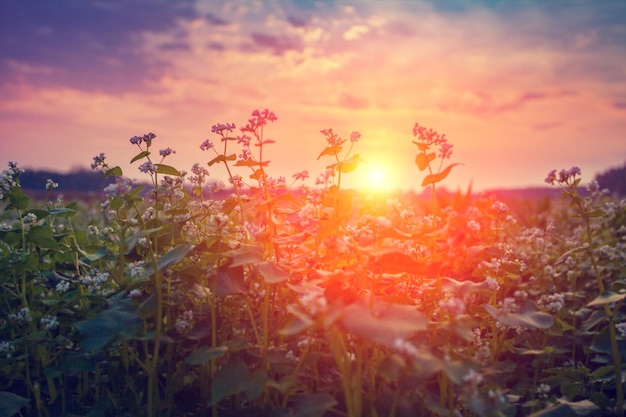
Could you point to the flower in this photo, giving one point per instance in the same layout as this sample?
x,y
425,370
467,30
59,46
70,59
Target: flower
x,y
98,161
147,167
551,178
355,136
220,128
51,185
166,152
206,145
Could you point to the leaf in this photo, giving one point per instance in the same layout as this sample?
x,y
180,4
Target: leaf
x,y
348,165
222,158
115,171
229,380
527,317
607,297
392,260
567,409
438,177
167,170
110,323
205,354
422,160
331,150
314,405
174,255
10,404
385,323
271,273
148,307
41,237
18,200
139,156
230,282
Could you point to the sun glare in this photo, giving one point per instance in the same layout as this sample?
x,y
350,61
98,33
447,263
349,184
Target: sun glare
x,y
376,177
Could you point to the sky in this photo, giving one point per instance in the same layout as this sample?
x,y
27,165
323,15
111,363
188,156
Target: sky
x,y
518,87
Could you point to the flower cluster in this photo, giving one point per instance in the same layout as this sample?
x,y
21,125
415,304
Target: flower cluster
x,y
9,179
147,138
428,137
258,119
564,177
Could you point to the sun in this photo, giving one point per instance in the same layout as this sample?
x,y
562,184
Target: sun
x,y
376,177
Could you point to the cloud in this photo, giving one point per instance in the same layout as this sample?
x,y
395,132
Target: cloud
x,y
90,45
277,44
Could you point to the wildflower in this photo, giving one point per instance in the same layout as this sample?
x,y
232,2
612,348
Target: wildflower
x,y
404,346
354,137
49,322
29,220
22,316
220,128
314,302
92,230
499,207
136,268
119,188
185,322
166,152
62,286
621,328
302,175
551,178
473,225
98,161
147,168
206,145
553,303
593,186
7,348
135,294
95,281
454,306
473,378
149,214
543,390
51,185
492,283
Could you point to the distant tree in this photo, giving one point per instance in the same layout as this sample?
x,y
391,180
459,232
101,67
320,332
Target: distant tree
x,y
614,180
82,180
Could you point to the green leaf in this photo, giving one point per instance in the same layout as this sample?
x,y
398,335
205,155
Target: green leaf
x,y
229,380
438,177
97,332
115,171
148,308
527,317
385,323
205,354
314,405
167,170
139,156
422,160
41,237
10,404
607,297
271,273
175,255
62,212
17,200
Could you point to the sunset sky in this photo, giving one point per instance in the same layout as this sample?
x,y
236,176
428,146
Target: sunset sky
x,y
519,87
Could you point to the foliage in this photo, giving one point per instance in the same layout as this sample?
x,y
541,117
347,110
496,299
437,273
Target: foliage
x,y
282,301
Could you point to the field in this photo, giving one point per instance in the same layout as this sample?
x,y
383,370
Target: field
x,y
294,300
